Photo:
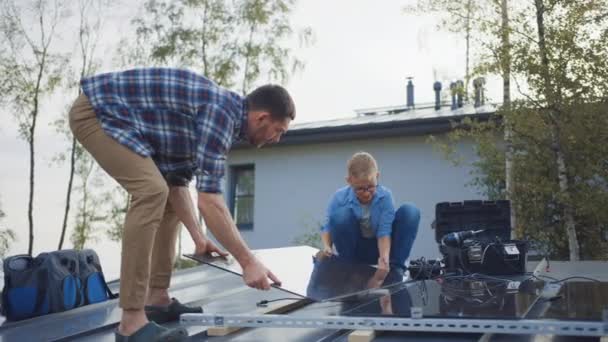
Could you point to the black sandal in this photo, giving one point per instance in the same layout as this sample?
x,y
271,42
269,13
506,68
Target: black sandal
x,y
169,313
152,332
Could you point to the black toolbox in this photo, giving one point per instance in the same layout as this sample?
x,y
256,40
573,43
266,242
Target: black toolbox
x,y
489,252
493,216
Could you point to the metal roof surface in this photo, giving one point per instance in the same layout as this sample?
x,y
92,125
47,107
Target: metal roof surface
x,y
401,114
383,122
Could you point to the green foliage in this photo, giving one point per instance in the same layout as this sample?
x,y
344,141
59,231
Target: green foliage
x,y
29,68
6,236
82,165
233,43
536,192
99,211
310,237
87,211
118,200
488,171
183,263
562,111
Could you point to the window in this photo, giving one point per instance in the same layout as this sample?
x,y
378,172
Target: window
x,y
242,195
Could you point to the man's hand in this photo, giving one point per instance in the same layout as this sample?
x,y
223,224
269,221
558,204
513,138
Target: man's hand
x,y
256,275
207,246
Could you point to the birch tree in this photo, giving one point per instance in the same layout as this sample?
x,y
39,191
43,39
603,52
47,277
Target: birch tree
x,y
233,43
90,19
30,70
486,26
560,67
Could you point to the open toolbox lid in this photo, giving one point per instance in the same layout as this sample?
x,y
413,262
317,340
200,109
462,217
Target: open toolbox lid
x,y
493,216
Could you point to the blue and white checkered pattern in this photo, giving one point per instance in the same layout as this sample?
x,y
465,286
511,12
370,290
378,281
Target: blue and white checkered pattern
x,y
182,120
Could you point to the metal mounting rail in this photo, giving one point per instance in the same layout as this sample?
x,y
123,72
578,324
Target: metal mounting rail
x,y
521,326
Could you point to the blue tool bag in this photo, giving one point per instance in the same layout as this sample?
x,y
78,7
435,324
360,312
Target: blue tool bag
x,y
94,286
51,282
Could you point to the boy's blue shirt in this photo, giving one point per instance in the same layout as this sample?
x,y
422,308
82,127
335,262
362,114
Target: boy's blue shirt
x,y
382,209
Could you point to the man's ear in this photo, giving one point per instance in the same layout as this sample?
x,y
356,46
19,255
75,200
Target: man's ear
x,y
261,115
347,178
377,176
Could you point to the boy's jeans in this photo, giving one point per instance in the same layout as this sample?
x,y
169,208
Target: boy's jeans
x,y
351,245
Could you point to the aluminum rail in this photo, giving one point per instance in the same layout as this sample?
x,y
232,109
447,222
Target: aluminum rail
x,y
458,325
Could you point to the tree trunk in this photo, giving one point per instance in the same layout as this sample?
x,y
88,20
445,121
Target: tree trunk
x,y
554,112
69,193
204,40
467,75
34,116
505,62
30,207
245,85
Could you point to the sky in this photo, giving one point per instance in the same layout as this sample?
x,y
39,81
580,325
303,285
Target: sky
x,y
364,51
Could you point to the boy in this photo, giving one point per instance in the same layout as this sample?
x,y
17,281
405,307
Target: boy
x,y
362,222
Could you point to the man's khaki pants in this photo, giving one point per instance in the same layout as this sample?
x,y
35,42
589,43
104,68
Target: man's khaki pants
x,y
151,226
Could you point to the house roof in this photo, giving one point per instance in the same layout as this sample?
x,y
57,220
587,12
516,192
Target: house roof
x,y
224,292
381,123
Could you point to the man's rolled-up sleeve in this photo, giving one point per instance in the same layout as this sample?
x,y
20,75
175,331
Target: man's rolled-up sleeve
x,y
215,128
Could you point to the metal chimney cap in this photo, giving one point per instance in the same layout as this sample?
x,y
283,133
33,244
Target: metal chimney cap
x,y
479,81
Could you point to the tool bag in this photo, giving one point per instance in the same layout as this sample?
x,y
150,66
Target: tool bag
x,y
51,282
94,286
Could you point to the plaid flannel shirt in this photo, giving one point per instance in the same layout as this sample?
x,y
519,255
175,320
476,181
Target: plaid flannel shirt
x,y
183,121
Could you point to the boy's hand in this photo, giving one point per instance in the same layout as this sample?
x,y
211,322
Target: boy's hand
x,y
386,305
378,278
382,263
327,251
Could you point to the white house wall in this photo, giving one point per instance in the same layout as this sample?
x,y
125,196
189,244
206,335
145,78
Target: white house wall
x,y
293,184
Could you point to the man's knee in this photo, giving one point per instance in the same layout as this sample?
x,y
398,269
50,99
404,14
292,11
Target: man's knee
x,y
157,189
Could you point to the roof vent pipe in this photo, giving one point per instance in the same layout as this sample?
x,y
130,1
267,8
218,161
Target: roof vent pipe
x,y
453,92
478,84
459,92
410,93
437,88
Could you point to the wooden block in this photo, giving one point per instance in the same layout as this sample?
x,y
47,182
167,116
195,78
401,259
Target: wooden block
x,y
221,331
272,308
362,336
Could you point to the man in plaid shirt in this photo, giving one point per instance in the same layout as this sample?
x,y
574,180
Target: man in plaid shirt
x,y
153,130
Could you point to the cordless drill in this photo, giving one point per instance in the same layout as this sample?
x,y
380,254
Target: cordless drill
x,y
456,239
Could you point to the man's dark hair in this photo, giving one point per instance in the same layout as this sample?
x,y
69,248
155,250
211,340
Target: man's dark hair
x,y
273,99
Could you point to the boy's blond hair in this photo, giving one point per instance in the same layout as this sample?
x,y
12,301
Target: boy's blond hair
x,y
361,165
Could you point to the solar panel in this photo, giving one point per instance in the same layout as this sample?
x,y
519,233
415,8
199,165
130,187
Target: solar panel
x,y
303,273
361,290
580,300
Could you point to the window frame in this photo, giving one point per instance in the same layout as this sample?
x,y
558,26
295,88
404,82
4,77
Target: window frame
x,y
234,173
